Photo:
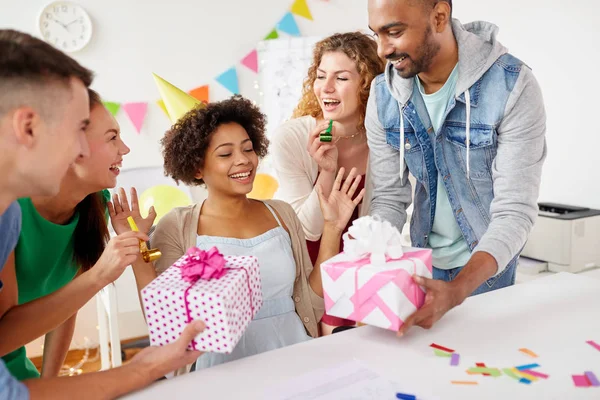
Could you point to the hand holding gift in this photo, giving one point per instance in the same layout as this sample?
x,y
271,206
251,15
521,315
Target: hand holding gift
x,y
223,291
371,281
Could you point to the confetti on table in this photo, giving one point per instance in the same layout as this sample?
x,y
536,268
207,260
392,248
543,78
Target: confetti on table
x,y
441,353
528,352
528,366
581,381
591,377
481,370
525,375
594,344
509,372
535,373
404,396
454,360
482,365
464,383
437,346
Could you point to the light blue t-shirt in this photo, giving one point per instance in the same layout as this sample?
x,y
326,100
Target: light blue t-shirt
x,y
10,227
449,248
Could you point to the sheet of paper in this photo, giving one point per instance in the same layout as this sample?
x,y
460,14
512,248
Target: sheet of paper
x,y
348,381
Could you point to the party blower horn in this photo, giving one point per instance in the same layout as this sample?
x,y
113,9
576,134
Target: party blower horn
x,y
149,255
326,136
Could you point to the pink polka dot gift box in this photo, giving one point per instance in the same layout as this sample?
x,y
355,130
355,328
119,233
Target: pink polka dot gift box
x,y
223,291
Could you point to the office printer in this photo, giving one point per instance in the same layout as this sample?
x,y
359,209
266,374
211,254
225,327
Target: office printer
x,y
566,237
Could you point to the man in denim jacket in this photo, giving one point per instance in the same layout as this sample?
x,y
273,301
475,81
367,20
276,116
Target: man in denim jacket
x,y
467,120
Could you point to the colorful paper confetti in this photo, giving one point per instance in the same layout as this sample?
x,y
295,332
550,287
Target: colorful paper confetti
x,y
464,383
528,366
482,365
512,374
535,373
455,359
525,375
594,344
509,372
581,381
404,396
495,372
441,353
591,377
437,346
528,352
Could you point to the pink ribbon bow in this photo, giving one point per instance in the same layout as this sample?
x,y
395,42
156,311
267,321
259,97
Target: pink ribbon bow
x,y
200,264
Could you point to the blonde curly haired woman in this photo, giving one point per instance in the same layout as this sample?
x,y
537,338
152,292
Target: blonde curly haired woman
x,y
336,89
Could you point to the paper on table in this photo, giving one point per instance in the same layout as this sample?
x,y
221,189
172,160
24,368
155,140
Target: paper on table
x,y
593,344
348,381
525,375
483,370
535,373
528,352
528,366
454,360
441,353
591,377
581,381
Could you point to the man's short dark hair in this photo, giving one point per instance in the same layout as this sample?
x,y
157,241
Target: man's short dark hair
x,y
28,63
429,4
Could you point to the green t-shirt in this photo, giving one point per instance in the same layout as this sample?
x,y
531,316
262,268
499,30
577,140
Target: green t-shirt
x,y
44,263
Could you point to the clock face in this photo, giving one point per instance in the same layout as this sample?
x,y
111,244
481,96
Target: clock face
x,y
65,25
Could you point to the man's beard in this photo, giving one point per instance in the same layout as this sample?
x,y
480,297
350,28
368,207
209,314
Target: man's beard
x,y
428,50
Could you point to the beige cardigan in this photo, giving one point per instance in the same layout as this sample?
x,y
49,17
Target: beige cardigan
x,y
177,231
297,172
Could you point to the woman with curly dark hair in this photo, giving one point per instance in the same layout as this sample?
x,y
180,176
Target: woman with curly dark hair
x,y
219,146
336,89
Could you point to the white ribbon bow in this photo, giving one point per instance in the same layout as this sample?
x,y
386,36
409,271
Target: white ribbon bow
x,y
375,237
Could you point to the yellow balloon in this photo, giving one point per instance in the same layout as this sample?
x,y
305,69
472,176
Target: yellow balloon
x,y
164,198
264,187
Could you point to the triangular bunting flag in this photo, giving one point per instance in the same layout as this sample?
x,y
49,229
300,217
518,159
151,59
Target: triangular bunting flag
x,y
229,79
251,61
162,106
288,25
136,113
272,35
301,8
112,107
200,93
176,101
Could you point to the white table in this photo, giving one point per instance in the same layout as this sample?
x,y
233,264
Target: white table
x,y
552,316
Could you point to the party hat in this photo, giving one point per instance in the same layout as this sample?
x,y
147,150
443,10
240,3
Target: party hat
x,y
177,102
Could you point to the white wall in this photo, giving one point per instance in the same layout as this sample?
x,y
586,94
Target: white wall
x,y
189,42
192,41
559,40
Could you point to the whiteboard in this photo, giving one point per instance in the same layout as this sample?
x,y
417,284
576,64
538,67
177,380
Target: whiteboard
x,y
283,66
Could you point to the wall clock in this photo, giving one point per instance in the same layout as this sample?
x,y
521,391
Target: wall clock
x,y
65,25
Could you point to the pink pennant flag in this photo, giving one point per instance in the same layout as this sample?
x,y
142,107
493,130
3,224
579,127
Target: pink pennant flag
x,y
136,113
251,61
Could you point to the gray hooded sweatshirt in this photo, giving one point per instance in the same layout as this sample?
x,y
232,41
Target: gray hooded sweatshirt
x,y
521,147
